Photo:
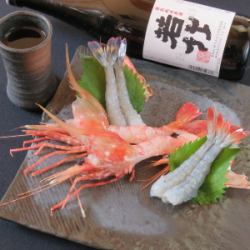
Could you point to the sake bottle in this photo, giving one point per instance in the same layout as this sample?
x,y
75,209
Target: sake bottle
x,y
174,32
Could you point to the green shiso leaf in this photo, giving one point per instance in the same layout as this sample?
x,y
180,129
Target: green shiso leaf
x,y
184,152
135,89
213,187
93,80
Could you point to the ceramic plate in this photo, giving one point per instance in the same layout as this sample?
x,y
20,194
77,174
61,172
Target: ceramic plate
x,y
121,216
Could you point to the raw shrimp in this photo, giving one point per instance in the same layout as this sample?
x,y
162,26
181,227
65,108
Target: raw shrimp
x,y
107,57
131,116
183,183
88,121
180,174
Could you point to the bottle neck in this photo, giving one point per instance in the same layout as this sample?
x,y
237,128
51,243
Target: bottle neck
x,y
242,20
82,18
129,12
242,24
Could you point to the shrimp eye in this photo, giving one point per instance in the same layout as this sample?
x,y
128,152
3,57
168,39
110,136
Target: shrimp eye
x,y
174,135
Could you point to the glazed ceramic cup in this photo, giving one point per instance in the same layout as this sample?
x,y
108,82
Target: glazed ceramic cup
x,y
30,79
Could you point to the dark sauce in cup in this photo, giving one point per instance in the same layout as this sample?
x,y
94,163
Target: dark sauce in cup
x,y
24,37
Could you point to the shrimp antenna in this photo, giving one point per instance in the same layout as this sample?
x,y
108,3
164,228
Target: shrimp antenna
x,y
12,136
17,128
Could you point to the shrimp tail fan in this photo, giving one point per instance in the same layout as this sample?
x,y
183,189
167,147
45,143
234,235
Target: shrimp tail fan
x,y
187,113
122,52
238,135
237,180
216,124
106,55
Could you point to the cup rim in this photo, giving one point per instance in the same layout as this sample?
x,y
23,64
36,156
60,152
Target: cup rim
x,y
27,13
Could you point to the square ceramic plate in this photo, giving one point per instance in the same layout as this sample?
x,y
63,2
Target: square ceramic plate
x,y
121,216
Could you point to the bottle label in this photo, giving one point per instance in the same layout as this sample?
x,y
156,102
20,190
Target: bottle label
x,y
187,35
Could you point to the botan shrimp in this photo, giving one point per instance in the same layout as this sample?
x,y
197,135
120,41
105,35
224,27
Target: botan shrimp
x,y
109,158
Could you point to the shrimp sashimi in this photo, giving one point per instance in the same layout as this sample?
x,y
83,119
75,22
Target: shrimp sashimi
x,y
180,174
107,57
131,116
183,183
113,58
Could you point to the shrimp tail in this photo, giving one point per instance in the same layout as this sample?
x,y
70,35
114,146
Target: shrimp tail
x,y
106,56
98,52
122,52
238,135
187,113
224,130
237,180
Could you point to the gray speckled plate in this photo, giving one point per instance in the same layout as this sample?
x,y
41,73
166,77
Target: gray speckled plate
x,y
120,216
